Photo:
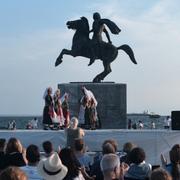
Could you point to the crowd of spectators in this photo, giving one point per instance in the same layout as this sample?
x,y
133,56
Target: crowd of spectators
x,y
73,162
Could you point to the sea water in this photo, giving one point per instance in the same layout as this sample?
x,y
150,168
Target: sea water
x,y
22,121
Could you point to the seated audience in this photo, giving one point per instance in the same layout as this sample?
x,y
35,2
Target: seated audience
x,y
139,169
174,167
15,153
81,155
112,142
52,168
109,146
69,159
127,148
2,153
13,173
110,166
48,148
73,132
160,174
33,158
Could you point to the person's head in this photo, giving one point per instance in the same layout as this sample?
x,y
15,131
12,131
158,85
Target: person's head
x,y
110,166
2,144
127,147
52,168
175,161
14,145
69,159
175,154
79,144
74,122
13,173
58,92
137,155
66,97
32,154
49,91
112,142
160,174
108,148
96,16
47,147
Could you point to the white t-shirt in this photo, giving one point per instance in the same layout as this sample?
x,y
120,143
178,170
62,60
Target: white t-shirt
x,y
153,126
141,125
34,124
167,122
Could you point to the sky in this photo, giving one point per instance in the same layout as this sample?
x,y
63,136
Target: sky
x,y
33,33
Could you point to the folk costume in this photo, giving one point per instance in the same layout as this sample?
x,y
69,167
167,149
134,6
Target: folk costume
x,y
58,108
65,109
48,109
90,114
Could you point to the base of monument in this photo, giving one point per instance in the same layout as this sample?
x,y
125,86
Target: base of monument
x,y
111,99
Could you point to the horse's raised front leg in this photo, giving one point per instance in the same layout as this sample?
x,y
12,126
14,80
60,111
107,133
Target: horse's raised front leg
x,y
59,58
101,76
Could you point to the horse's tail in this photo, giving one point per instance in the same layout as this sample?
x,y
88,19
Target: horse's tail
x,y
129,51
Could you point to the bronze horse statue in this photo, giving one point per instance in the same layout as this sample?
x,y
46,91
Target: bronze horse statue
x,y
82,45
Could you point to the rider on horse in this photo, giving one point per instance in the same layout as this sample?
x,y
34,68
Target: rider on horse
x,y
97,28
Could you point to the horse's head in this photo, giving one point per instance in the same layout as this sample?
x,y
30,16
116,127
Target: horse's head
x,y
72,24
80,24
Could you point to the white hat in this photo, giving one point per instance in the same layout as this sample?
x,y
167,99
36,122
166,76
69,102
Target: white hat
x,y
52,168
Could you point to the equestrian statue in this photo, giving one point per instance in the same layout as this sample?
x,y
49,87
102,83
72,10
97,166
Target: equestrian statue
x,y
95,48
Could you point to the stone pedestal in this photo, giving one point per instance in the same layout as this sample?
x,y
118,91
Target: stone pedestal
x,y
111,99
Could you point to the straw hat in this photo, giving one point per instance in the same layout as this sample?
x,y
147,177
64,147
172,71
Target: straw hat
x,y
52,168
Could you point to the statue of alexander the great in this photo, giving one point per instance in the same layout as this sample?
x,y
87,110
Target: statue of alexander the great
x,y
98,28
95,48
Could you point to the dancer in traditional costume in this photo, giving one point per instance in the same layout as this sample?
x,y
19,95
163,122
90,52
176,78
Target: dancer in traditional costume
x,y
59,122
93,115
65,109
48,109
90,112
81,116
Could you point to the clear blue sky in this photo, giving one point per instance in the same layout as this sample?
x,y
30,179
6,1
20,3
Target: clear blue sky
x,y
32,34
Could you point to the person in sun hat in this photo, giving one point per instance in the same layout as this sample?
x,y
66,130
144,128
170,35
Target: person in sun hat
x,y
52,168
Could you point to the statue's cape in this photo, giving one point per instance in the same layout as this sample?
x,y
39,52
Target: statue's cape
x,y
111,25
